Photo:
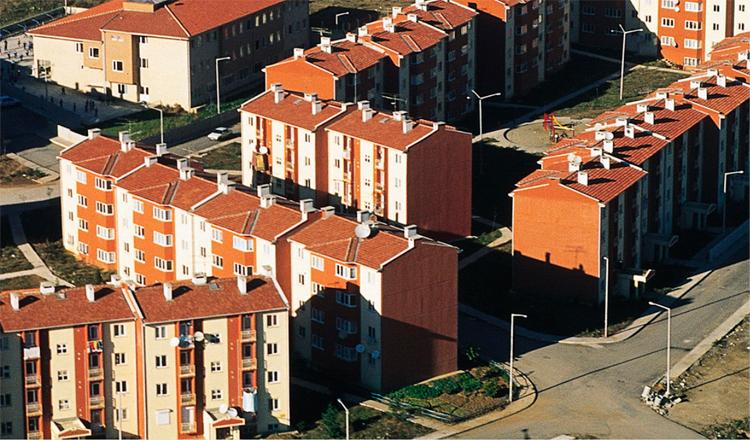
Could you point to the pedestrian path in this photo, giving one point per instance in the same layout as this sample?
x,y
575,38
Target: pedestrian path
x,y
38,267
474,257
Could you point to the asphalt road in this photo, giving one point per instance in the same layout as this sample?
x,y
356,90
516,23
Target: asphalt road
x,y
199,144
594,391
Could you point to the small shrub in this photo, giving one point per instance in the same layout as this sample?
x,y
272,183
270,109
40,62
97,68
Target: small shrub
x,y
421,392
491,389
469,383
332,422
447,386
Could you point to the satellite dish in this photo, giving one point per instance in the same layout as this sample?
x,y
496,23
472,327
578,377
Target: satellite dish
x,y
174,342
199,337
263,150
362,231
223,408
360,348
375,355
232,412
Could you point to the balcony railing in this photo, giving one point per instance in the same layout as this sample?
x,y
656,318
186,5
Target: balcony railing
x,y
249,363
96,373
34,434
96,401
30,353
32,379
187,370
188,427
248,335
33,408
187,398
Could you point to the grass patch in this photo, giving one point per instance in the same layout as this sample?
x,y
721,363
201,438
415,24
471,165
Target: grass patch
x,y
11,258
24,282
13,173
381,6
226,157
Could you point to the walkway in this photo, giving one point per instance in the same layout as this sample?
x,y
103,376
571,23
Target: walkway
x,y
506,237
38,267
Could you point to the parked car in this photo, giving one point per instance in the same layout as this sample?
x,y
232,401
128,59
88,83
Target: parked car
x,y
220,133
8,101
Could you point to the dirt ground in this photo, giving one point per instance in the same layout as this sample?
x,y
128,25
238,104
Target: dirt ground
x,y
13,173
717,386
533,138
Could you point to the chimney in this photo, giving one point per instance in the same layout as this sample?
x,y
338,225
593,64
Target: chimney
x,y
609,145
94,132
600,135
399,115
317,106
363,216
695,83
46,288
325,44
721,80
743,56
630,132
662,95
263,190
161,148
669,104
15,302
367,114
186,173
649,118
242,284
167,289
306,206
278,95
351,37
421,4
596,151
199,279
605,161
574,163
388,24
361,105
640,108
310,97
267,201
412,17
149,160
222,181
703,93
182,163
362,31
327,211
395,11
583,178
90,294
407,125
124,137
299,52
713,72
410,232
621,121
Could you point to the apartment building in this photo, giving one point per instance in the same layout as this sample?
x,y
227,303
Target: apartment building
x,y
207,358
164,52
733,49
357,158
681,32
520,43
420,59
342,70
371,303
620,195
173,222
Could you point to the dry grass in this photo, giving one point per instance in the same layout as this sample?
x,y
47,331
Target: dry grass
x,y
381,6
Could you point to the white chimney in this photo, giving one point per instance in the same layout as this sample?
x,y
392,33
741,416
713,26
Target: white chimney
x,y
669,104
363,216
362,31
583,178
412,17
325,44
695,83
199,279
267,201
367,114
662,95
421,4
621,121
167,289
15,301
161,148
186,173
149,160
306,205
222,181
407,125
743,56
649,118
410,232
278,95
721,80
316,106
600,135
388,24
630,132
351,37
46,288
310,97
609,145
574,163
327,211
395,11
399,115
596,151
641,108
703,93
263,190
242,284
605,161
124,137
298,52
713,72
94,132
90,294
182,163
361,105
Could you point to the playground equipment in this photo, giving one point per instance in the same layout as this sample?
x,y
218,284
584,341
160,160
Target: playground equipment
x,y
551,125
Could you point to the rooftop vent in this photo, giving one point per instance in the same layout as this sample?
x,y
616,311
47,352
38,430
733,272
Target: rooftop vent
x,y
649,118
412,17
15,301
695,83
395,11
242,284
263,190
583,178
574,162
325,44
407,125
388,24
186,173
399,115
222,181
327,211
621,121
362,31
167,291
662,95
721,80
629,132
351,37
125,143
361,105
299,52
367,114
596,151
410,232
46,288
316,106
199,279
640,108
609,145
161,149
149,160
310,97
267,201
94,132
602,135
605,161
306,205
90,293
703,93
669,104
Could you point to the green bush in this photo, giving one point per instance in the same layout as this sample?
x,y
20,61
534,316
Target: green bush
x,y
469,383
419,391
332,422
447,386
491,389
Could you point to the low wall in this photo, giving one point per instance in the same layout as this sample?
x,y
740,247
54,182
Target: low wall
x,y
195,130
70,135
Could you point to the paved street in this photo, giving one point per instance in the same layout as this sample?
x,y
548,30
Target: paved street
x,y
594,391
200,144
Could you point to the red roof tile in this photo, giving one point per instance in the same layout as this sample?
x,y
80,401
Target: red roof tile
x,y
102,155
345,57
721,99
444,15
382,129
50,311
729,48
161,184
408,36
604,184
218,297
293,110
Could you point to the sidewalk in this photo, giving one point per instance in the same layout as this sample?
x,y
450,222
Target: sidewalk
x,y
29,194
39,268
472,258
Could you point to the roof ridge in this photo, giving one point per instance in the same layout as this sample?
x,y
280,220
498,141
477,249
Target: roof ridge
x,y
174,16
249,226
411,43
351,250
73,19
111,161
171,191
348,65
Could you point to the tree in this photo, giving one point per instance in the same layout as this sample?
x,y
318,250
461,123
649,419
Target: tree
x,y
331,421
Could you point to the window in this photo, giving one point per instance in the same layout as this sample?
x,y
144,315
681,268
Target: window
x,y
301,278
272,376
138,206
144,63
688,61
140,256
83,201
103,184
371,335
692,6
218,261
692,44
162,214
273,404
272,321
667,22
344,325
119,358
345,272
5,372
346,299
272,348
587,28
79,47
716,26
668,4
62,375
163,265
62,349
83,248
142,39
161,389
667,41
216,235
612,12
105,233
5,400
216,395
716,8
692,25
119,330
117,66
121,386
162,239
105,257
63,404
161,361
140,279
215,366
346,353
104,208
93,52
318,290
242,244
239,269
318,316
160,332
83,224
121,413
138,231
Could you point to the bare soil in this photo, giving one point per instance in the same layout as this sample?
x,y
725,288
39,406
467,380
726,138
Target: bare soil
x,y
533,138
13,173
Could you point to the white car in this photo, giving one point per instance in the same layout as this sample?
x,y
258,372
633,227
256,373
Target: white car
x,y
220,133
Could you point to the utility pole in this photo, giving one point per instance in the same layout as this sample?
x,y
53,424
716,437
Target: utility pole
x,y
346,410
513,316
622,64
669,339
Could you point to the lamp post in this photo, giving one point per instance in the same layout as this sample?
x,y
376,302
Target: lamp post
x,y
336,18
510,372
669,337
346,410
218,95
606,295
482,98
161,118
724,213
624,39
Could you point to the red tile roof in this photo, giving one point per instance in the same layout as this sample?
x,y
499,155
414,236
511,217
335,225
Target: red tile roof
x,y
240,212
102,155
605,184
334,237
538,176
39,311
442,14
218,297
408,36
382,129
293,109
721,99
729,48
161,184
180,19
345,57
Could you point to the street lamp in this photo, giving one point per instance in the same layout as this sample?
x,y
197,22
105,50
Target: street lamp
x,y
161,118
606,295
510,372
218,95
482,98
669,336
346,410
724,214
622,66
336,18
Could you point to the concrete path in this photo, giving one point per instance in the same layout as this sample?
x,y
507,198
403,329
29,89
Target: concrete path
x,y
472,258
627,63
29,194
39,268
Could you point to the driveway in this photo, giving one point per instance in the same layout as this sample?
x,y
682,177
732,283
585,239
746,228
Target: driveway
x,y
593,391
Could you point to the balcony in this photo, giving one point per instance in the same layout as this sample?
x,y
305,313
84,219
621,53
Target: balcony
x,y
249,335
187,370
30,353
96,401
32,380
96,374
95,346
187,399
249,363
33,409
34,434
188,427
